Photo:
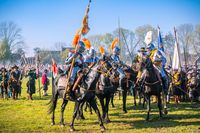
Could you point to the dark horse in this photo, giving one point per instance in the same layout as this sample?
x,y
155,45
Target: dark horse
x,y
104,92
152,85
86,93
127,83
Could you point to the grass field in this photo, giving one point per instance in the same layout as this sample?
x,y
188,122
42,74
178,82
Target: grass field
x,y
31,116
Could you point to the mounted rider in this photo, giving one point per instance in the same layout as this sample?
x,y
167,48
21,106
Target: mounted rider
x,y
138,59
91,57
115,57
158,58
77,67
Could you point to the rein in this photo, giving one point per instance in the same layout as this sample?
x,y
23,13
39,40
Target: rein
x,y
152,83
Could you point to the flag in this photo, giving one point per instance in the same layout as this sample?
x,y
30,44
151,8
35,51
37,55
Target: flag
x,y
160,42
85,26
54,68
148,38
176,63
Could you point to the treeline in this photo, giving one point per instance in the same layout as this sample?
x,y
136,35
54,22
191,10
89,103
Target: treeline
x,y
12,44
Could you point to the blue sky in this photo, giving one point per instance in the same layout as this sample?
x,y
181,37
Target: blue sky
x,y
45,22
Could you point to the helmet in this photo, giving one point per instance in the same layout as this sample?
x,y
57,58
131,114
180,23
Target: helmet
x,y
92,52
81,47
116,50
150,46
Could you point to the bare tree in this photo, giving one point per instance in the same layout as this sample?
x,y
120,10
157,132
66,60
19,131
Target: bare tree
x,y
12,34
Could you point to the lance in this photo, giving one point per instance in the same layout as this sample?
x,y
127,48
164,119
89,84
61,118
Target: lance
x,y
73,60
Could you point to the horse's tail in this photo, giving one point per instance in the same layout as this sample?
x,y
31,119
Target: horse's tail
x,y
52,103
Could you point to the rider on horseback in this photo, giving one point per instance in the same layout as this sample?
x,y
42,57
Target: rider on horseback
x,y
119,63
91,57
78,65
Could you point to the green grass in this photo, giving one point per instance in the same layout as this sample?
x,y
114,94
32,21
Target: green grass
x,y
31,116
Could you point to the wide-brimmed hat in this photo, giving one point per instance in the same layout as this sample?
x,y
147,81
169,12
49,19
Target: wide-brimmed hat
x,y
15,66
142,49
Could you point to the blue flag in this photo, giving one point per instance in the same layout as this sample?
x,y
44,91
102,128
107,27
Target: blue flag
x,y
160,42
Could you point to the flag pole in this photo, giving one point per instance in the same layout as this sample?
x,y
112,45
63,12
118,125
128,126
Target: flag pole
x,y
73,60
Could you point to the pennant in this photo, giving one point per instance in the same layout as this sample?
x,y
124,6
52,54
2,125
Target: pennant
x,y
176,63
160,42
85,26
148,37
76,39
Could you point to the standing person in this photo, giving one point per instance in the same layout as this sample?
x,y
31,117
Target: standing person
x,y
45,82
15,81
31,82
176,81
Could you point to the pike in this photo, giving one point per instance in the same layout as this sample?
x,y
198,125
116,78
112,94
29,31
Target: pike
x,y
131,56
84,25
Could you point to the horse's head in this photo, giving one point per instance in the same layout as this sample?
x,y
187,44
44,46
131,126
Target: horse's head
x,y
146,63
105,65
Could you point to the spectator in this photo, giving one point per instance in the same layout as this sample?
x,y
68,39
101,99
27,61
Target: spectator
x,y
45,82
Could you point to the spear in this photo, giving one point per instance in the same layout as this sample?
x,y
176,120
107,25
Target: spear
x,y
84,26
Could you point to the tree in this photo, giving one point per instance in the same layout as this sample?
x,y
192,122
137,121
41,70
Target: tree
x,y
11,38
196,40
5,52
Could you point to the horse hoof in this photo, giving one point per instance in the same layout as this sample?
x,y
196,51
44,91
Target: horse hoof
x,y
108,121
72,129
165,111
53,123
62,124
125,111
103,129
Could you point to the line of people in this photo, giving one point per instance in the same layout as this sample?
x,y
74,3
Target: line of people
x,y
11,82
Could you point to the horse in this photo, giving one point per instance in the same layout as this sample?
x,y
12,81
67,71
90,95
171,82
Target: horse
x,y
86,89
15,87
152,86
127,83
104,92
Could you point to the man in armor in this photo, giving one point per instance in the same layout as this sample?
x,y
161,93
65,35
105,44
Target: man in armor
x,y
119,63
91,57
78,65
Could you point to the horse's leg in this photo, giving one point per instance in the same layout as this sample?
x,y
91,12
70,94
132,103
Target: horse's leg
x,y
54,103
6,89
74,116
81,116
144,100
160,105
14,93
134,96
94,106
165,102
107,109
119,94
62,111
101,99
124,95
148,100
112,100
